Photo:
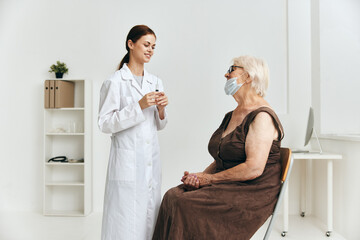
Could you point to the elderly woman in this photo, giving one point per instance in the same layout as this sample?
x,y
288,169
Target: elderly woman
x,y
237,192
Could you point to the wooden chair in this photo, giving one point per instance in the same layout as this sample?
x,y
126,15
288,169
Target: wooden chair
x,y
286,163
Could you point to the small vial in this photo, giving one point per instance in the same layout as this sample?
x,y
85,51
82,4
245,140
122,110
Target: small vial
x,y
157,85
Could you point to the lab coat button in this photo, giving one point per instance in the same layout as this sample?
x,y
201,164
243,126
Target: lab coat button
x,y
147,142
149,164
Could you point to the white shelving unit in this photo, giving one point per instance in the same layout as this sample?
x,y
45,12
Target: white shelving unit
x,y
67,132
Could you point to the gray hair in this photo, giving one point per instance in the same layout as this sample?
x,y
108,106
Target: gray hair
x,y
258,70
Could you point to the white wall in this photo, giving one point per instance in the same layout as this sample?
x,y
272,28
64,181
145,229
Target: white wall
x,y
339,66
335,75
345,187
196,41
194,48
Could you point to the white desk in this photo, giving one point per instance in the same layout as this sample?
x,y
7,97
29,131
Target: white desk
x,y
306,186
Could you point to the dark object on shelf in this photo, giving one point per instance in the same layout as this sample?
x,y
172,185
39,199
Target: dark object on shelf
x,y
59,69
81,160
59,75
58,159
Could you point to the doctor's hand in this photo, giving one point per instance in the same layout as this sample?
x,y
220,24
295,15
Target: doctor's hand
x,y
161,101
148,100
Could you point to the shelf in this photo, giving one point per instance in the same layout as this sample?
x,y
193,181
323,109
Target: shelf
x,y
64,213
66,109
67,79
69,145
63,164
65,134
64,174
70,184
64,199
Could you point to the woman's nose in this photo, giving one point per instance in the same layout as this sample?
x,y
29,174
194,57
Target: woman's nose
x,y
226,75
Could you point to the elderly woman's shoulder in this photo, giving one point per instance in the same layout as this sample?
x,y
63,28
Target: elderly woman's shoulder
x,y
264,114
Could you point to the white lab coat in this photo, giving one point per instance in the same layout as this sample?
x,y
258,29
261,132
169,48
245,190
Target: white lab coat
x,y
133,184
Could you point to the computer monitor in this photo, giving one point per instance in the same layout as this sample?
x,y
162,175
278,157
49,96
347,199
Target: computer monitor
x,y
310,126
310,129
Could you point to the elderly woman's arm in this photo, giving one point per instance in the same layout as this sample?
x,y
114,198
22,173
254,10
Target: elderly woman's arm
x,y
257,147
211,168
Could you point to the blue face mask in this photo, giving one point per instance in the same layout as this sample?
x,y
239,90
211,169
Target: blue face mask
x,y
231,86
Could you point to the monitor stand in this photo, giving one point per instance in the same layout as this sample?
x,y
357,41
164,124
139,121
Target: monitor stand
x,y
307,151
317,139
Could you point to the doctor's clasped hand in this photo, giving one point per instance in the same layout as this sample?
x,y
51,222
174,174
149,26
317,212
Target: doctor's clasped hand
x,y
155,98
161,103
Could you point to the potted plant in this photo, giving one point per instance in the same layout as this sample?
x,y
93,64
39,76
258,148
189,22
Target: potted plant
x,y
59,69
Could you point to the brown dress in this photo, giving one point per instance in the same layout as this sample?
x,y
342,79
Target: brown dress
x,y
231,210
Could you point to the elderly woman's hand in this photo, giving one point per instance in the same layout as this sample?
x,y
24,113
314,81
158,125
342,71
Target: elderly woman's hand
x,y
190,181
193,181
204,178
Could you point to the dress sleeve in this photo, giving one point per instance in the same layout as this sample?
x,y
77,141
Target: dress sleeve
x,y
111,118
276,121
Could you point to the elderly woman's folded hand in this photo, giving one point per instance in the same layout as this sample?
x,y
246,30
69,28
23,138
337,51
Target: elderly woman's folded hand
x,y
190,181
193,181
204,178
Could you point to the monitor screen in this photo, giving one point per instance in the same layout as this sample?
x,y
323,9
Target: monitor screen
x,y
310,126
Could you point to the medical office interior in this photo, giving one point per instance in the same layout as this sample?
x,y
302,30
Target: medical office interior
x,y
313,51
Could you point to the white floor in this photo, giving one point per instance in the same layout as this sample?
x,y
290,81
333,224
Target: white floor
x,y
34,226
300,228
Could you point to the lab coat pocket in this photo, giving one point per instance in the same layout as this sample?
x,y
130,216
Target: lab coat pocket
x,y
124,165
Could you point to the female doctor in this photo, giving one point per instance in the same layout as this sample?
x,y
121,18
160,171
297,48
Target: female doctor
x,y
132,109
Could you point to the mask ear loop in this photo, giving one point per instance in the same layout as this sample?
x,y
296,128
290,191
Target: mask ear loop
x,y
248,79
239,77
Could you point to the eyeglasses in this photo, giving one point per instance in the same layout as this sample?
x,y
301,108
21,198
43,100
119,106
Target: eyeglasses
x,y
232,68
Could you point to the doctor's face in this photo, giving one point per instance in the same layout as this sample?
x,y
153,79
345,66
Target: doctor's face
x,y
143,49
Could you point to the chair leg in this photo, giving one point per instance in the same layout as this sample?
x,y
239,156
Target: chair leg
x,y
286,211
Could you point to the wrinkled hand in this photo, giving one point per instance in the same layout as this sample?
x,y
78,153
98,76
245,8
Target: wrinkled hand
x,y
204,178
148,100
161,101
190,181
194,181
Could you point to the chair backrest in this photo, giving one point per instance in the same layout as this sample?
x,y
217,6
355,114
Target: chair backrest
x,y
286,165
285,158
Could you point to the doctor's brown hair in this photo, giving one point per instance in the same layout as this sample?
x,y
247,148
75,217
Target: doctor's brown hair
x,y
135,34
